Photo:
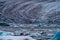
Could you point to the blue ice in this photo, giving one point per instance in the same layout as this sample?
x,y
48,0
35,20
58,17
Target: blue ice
x,y
56,36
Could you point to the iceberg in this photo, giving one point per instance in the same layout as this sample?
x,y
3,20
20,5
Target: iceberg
x,y
56,36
